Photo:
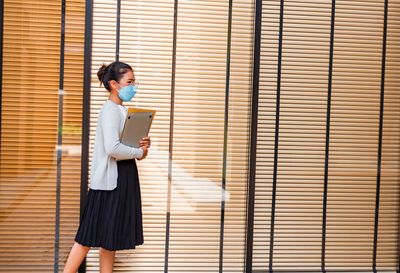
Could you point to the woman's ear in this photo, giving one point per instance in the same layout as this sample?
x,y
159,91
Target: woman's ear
x,y
113,84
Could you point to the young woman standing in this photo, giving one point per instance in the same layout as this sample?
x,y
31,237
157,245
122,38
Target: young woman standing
x,y
112,219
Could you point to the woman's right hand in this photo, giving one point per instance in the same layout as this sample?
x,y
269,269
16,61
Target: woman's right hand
x,y
145,152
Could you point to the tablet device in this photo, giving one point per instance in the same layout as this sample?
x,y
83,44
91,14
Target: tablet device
x,y
137,126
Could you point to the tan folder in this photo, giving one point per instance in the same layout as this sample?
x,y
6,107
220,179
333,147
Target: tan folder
x,y
137,126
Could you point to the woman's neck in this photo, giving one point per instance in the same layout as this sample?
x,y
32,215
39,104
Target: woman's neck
x,y
114,98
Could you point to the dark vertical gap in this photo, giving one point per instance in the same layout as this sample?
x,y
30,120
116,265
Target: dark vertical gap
x,y
171,136
87,66
118,31
276,148
251,184
327,138
398,231
59,138
398,227
1,61
379,163
348,269
226,124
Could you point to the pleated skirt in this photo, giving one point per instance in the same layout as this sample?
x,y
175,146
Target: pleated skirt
x,y
113,219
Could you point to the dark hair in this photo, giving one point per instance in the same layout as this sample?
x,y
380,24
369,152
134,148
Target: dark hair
x,y
114,71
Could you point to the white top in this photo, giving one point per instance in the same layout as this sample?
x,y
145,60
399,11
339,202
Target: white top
x,y
108,148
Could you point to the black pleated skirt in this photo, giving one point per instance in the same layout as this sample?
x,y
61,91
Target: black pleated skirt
x,y
113,219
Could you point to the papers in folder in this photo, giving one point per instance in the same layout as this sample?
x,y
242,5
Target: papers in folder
x,y
137,126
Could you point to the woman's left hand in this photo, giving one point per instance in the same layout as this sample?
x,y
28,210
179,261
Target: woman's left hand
x,y
145,142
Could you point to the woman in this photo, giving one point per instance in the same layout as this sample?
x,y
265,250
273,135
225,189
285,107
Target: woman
x,y
112,219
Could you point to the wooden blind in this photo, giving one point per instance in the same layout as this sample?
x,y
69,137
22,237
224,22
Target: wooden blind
x,y
72,126
316,185
29,133
296,148
156,33
182,216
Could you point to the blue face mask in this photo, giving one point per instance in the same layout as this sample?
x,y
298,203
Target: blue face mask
x,y
127,93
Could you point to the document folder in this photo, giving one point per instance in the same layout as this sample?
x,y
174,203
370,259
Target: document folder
x,y
137,126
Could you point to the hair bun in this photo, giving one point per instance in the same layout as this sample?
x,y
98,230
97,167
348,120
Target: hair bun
x,y
102,72
112,72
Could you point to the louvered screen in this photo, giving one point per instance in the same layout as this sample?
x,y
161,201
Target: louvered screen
x,y
72,109
316,187
296,148
182,216
31,108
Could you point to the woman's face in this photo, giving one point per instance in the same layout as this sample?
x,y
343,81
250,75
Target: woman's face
x,y
127,79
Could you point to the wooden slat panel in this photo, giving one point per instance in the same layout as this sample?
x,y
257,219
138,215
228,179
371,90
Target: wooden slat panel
x,y
353,137
31,68
29,131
